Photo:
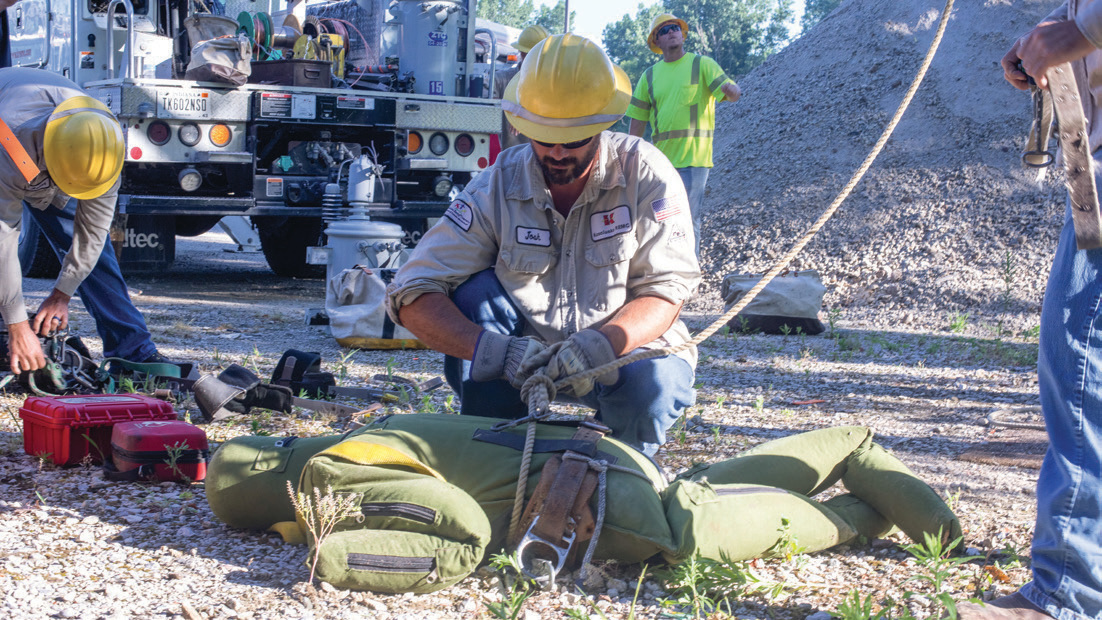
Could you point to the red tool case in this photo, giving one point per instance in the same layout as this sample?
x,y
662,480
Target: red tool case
x,y
165,451
70,428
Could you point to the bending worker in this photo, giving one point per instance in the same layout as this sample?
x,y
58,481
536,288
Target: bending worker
x,y
63,152
564,255
677,96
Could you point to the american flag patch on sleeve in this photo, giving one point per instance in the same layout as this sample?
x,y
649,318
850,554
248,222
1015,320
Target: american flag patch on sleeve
x,y
665,207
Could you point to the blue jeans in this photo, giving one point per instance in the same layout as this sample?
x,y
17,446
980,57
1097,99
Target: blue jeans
x,y
639,408
695,180
1067,542
119,324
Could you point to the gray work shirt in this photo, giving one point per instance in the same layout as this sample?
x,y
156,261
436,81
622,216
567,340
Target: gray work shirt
x,y
27,98
628,235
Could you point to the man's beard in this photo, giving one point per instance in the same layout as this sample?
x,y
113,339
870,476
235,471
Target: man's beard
x,y
566,170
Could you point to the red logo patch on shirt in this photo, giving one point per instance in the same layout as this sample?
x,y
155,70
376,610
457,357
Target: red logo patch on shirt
x,y
460,214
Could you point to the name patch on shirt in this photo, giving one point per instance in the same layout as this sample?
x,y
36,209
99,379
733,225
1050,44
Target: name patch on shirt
x,y
607,224
533,236
666,208
460,214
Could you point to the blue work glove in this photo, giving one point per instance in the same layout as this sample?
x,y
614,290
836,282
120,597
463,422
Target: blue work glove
x,y
583,351
497,356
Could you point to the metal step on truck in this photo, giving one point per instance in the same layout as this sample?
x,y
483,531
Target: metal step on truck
x,y
403,83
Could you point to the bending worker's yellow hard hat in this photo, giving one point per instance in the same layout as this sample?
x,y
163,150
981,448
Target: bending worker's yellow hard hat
x,y
652,38
566,90
530,37
83,147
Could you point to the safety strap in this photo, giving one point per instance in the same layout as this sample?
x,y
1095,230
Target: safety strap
x,y
1076,149
17,153
558,517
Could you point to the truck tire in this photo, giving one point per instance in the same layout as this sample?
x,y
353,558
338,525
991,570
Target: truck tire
x,y
284,241
36,256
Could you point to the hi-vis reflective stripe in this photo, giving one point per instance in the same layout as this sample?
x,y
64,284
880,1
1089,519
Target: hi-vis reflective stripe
x,y
682,133
17,153
547,121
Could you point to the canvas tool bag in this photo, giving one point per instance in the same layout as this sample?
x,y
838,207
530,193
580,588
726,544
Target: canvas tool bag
x,y
223,59
355,301
790,303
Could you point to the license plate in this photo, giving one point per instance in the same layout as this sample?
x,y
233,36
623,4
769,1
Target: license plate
x,y
180,103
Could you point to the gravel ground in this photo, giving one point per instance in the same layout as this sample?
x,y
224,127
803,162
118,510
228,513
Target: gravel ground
x,y
935,270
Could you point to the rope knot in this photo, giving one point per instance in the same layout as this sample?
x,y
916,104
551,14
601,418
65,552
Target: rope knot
x,y
538,399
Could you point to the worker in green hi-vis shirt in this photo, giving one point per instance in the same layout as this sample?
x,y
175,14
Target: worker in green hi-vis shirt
x,y
677,96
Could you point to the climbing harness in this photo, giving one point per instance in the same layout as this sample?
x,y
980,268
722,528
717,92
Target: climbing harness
x,y
539,390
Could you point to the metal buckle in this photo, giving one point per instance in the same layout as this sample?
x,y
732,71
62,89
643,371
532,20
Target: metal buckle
x,y
592,423
560,551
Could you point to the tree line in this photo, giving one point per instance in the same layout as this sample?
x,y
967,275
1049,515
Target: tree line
x,y
738,34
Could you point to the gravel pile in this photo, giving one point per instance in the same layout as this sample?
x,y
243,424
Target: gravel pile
x,y
944,211
922,243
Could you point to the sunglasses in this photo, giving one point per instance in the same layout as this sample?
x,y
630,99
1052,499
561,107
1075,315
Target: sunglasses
x,y
566,145
668,28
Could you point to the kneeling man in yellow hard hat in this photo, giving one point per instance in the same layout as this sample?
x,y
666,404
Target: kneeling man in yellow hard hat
x,y
564,255
62,154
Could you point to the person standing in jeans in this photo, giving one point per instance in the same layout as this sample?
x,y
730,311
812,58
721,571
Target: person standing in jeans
x,y
677,96
1067,540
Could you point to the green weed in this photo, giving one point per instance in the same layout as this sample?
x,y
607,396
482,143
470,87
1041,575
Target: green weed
x,y
958,322
175,453
856,608
700,587
342,365
515,587
832,321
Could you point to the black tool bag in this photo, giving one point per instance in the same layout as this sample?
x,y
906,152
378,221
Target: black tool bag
x,y
301,372
69,366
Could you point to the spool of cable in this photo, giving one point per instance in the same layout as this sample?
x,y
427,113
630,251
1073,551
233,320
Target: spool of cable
x,y
247,25
306,48
337,28
284,37
265,34
313,27
290,21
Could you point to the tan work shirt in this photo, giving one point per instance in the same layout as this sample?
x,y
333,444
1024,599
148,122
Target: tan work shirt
x,y
629,235
27,98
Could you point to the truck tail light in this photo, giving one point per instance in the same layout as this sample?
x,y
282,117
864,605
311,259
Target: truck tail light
x,y
189,134
438,143
220,135
464,144
413,145
158,133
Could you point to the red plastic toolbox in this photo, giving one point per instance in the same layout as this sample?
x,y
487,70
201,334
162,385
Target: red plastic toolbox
x,y
62,426
165,451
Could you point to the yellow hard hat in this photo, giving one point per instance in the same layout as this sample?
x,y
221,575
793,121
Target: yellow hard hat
x,y
530,37
566,90
83,147
652,38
